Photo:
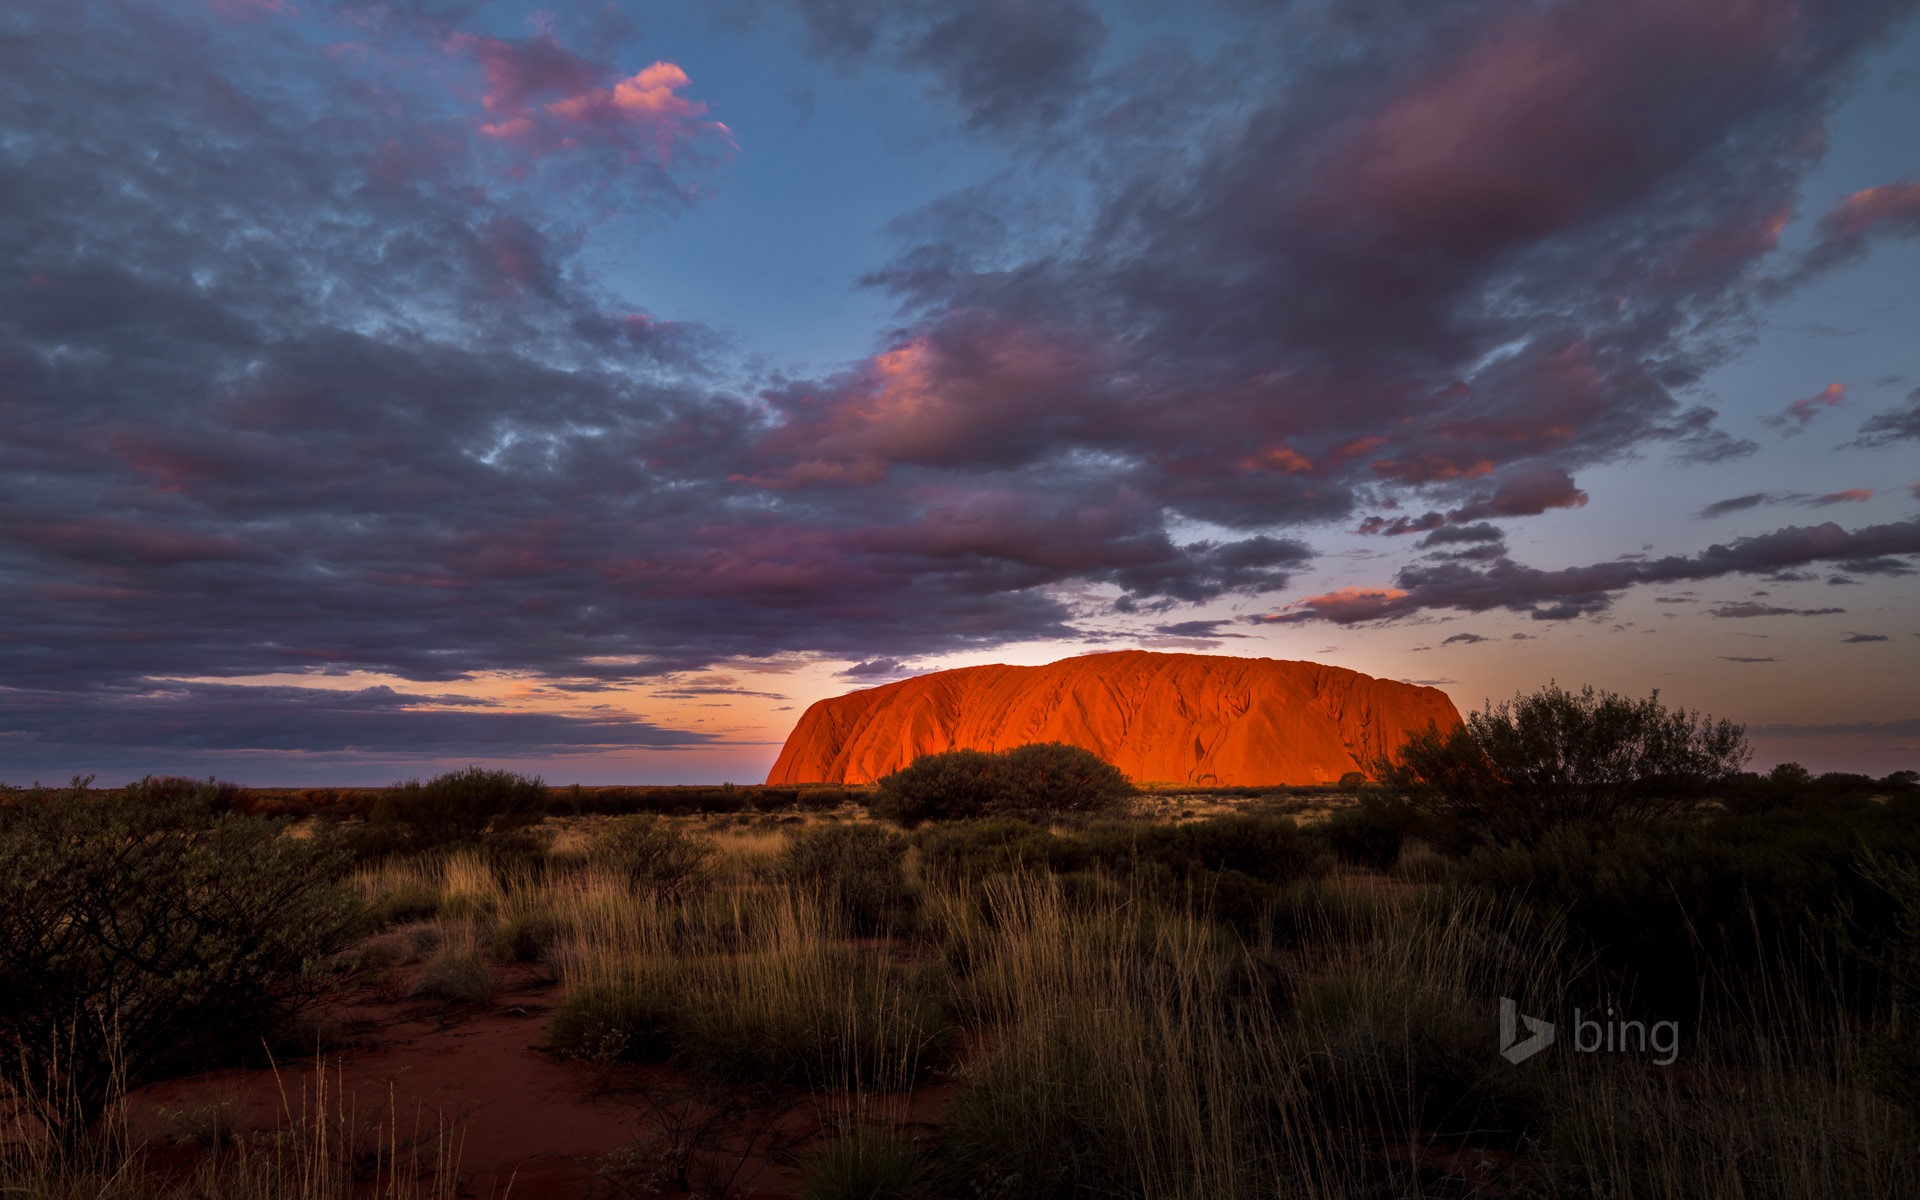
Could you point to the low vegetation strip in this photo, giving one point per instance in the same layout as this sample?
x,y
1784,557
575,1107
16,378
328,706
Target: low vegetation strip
x,y
1477,979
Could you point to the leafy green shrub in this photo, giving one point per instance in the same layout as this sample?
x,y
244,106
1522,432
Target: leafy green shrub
x,y
941,787
655,856
459,806
863,1163
142,938
1519,769
858,869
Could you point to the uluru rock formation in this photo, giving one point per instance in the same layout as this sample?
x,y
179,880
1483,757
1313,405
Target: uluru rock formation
x,y
1161,718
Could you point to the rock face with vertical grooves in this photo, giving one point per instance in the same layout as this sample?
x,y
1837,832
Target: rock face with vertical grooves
x,y
1161,718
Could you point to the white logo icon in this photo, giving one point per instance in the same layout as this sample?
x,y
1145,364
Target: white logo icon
x,y
1540,1033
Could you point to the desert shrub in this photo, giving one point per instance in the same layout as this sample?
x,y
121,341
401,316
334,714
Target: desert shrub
x,y
857,869
1515,770
1269,849
1038,779
1894,1061
1667,909
459,806
456,974
655,855
524,937
137,939
1053,778
976,848
623,1015
863,1163
214,795
1368,834
405,904
940,787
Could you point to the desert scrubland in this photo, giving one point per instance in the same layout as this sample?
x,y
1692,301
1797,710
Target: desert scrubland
x,y
483,986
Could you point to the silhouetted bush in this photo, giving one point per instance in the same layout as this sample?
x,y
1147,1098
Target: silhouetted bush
x,y
459,806
857,868
952,786
1368,834
1053,778
1516,770
139,937
1038,779
213,795
1663,909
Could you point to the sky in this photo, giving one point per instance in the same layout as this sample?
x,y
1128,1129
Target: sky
x,y
587,388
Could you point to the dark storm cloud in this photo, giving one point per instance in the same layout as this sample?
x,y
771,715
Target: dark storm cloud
x,y
1454,535
1855,639
1428,269
331,397
1465,639
1584,591
1005,63
301,370
879,669
205,716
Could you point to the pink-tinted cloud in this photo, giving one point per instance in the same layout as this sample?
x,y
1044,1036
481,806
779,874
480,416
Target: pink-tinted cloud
x,y
1343,606
1849,496
1537,121
643,115
1849,227
521,71
974,394
1798,415
1894,205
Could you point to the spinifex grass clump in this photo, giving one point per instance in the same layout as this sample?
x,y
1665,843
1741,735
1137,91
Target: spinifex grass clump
x,y
764,992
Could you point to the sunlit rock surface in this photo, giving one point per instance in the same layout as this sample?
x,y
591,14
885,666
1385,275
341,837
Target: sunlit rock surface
x,y
1161,718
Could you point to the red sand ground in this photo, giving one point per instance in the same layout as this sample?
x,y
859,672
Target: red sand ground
x,y
524,1123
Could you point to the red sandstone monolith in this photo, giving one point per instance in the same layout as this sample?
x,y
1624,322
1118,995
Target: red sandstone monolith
x,y
1161,718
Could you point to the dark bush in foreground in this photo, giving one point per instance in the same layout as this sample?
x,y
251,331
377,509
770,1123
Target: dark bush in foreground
x,y
1368,834
142,938
1039,779
1554,758
1662,910
952,786
459,806
1055,778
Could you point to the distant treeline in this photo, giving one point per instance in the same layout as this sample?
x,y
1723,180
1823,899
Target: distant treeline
x,y
345,803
